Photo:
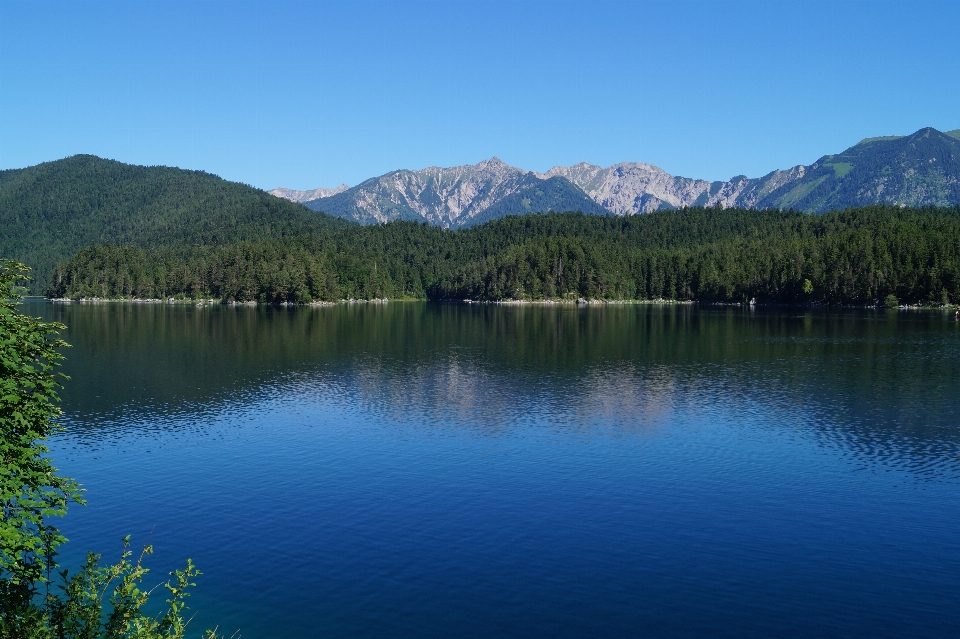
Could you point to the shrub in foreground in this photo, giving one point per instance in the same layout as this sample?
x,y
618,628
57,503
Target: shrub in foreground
x,y
38,600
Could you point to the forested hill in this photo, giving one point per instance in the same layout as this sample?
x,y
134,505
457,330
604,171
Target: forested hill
x,y
856,256
51,210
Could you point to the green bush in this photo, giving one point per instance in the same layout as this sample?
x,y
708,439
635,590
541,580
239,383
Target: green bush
x,y
99,602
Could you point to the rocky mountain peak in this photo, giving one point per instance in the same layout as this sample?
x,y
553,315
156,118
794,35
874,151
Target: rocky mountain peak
x,y
306,196
918,169
493,162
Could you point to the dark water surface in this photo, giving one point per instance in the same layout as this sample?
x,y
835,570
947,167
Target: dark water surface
x,y
415,470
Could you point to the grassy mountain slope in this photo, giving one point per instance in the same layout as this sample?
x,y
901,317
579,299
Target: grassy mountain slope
x,y
922,169
49,211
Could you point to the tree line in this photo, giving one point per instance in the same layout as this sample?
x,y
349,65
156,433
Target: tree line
x,y
856,256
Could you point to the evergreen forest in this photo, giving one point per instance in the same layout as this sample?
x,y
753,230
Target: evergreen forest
x,y
855,256
51,210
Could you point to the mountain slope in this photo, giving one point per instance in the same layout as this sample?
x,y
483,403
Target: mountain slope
x,y
628,188
554,194
631,187
918,169
454,197
49,211
922,169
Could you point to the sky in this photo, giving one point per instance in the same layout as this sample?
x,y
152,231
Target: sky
x,y
310,94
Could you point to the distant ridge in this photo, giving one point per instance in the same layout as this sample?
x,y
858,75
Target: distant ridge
x,y
881,138
305,196
911,170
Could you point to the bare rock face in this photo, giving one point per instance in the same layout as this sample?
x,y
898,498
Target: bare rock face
x,y
305,196
632,187
442,196
455,197
920,169
629,188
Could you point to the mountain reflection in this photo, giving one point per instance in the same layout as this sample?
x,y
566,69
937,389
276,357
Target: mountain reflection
x,y
878,386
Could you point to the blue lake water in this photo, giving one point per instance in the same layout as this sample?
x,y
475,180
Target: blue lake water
x,y
428,470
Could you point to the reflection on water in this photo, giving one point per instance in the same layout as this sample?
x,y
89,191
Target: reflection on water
x,y
878,385
466,470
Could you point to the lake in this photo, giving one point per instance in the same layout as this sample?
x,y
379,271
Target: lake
x,y
448,470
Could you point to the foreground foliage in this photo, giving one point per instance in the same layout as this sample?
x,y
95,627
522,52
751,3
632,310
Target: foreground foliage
x,y
99,601
856,256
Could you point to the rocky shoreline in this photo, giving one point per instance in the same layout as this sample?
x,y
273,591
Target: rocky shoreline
x,y
508,302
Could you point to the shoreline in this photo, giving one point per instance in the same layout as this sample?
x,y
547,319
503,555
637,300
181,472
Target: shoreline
x,y
507,302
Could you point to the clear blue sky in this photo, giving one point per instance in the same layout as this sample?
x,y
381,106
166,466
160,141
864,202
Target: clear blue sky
x,y
314,94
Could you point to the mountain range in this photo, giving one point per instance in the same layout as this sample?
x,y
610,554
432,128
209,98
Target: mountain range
x,y
50,211
914,170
